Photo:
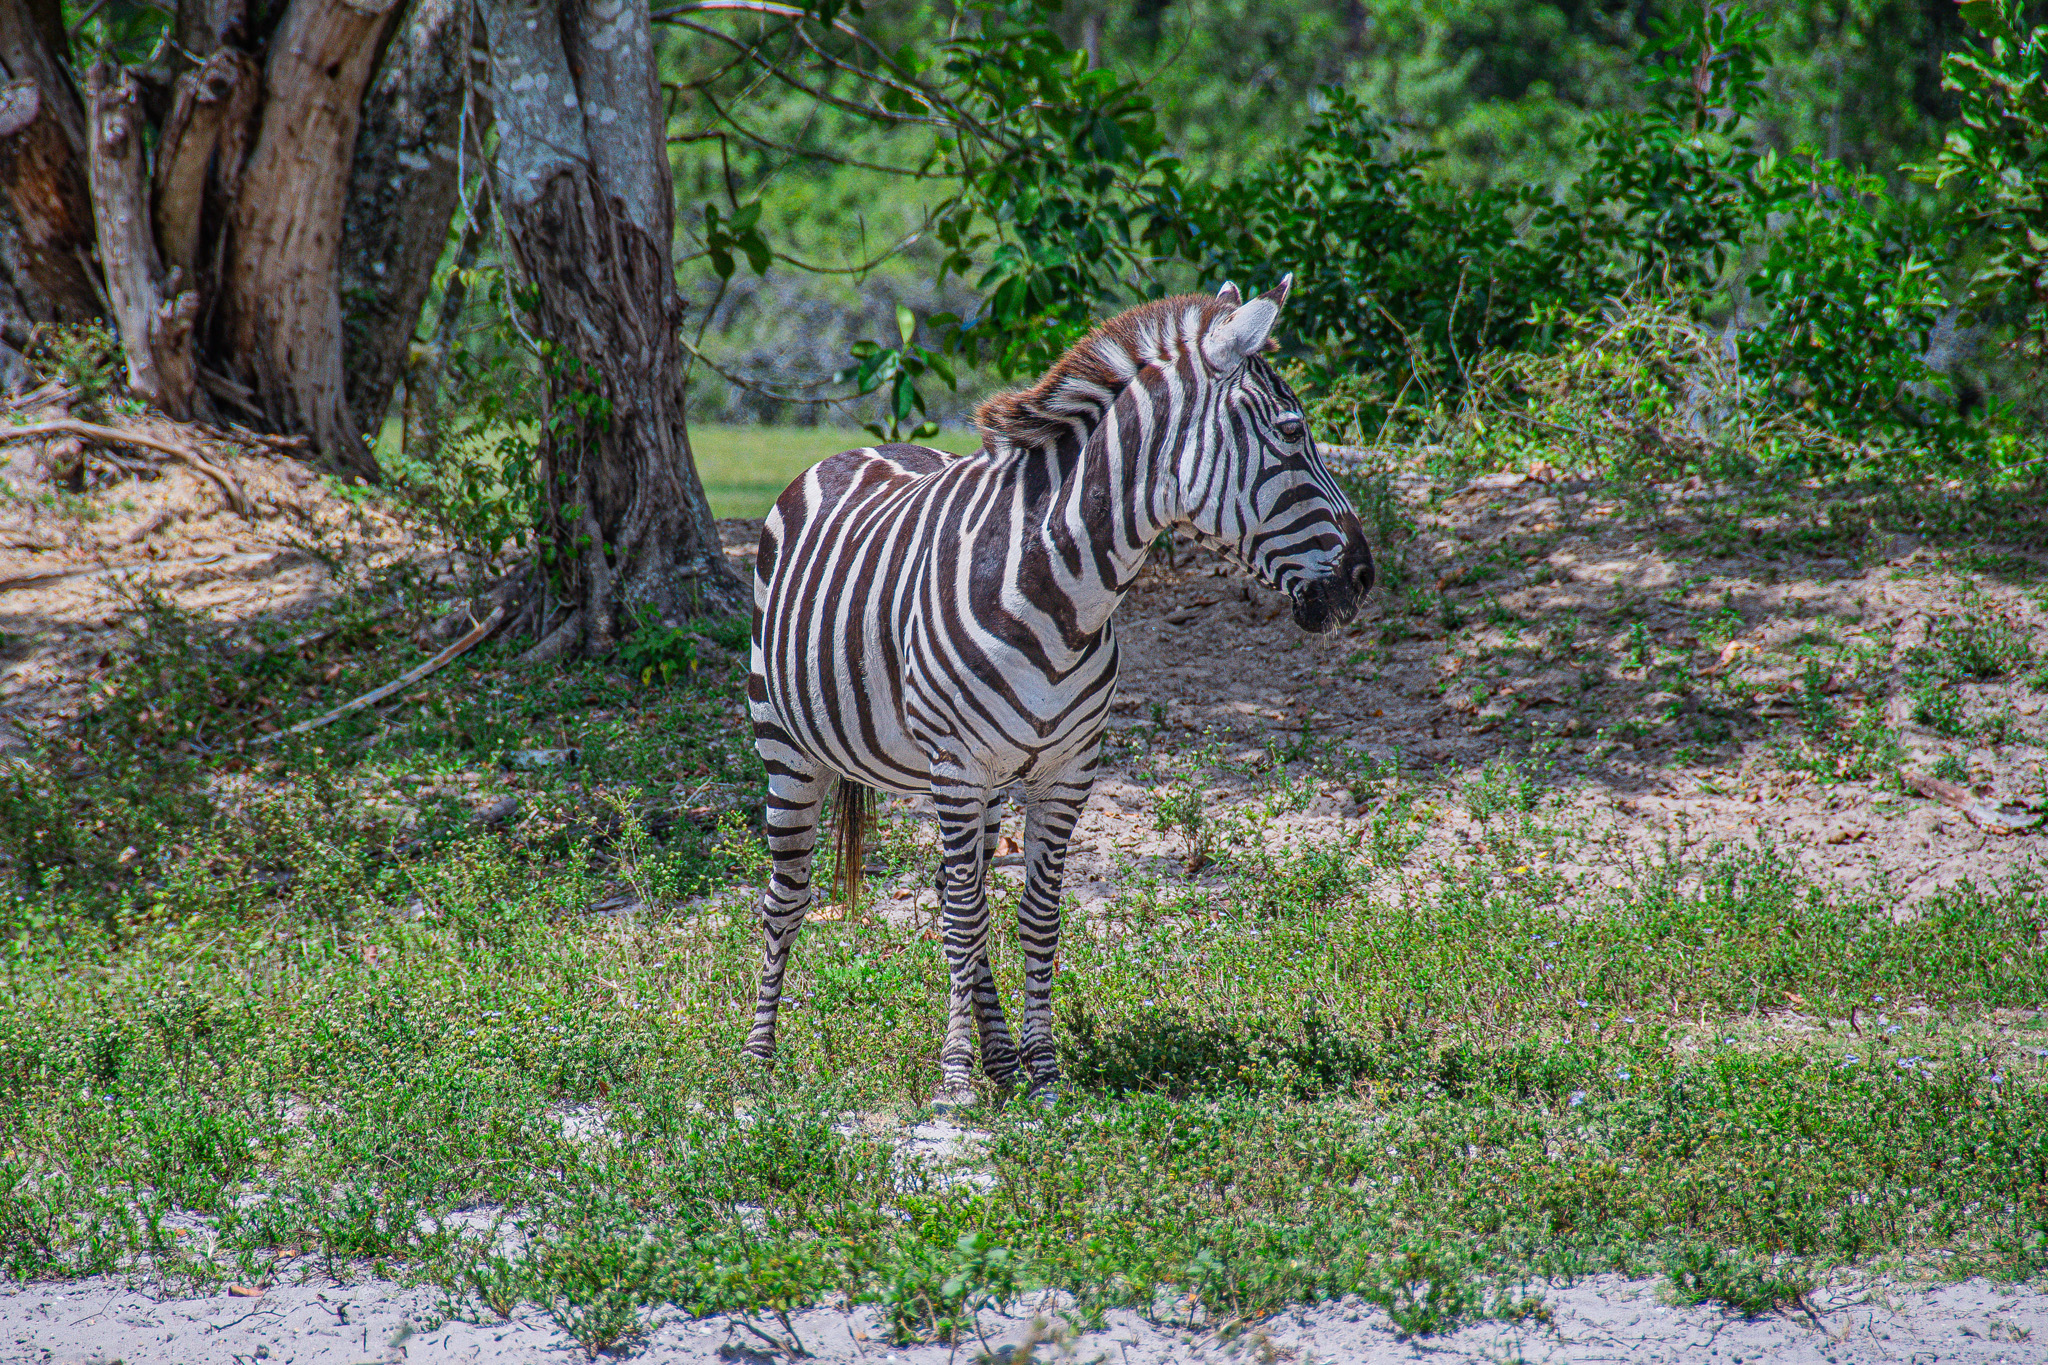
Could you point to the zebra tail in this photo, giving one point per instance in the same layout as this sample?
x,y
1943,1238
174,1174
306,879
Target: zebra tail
x,y
853,807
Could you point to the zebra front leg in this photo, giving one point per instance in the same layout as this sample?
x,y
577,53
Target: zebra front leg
x,y
999,1058
963,894
796,790
1049,820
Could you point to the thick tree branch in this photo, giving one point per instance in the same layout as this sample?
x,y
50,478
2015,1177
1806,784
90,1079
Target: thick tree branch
x,y
402,194
284,304
154,310
205,99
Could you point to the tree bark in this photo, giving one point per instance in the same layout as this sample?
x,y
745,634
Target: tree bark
x,y
153,307
284,308
42,171
402,194
583,182
209,112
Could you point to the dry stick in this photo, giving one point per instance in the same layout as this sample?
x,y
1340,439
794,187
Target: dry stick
x,y
230,488
37,579
1998,819
454,651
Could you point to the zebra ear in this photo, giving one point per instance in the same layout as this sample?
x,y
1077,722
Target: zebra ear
x,y
1242,333
1278,293
1228,294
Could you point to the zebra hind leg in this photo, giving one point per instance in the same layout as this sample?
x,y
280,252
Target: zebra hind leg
x,y
999,1058
795,795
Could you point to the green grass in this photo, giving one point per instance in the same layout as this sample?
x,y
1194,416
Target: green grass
x,y
745,468
303,993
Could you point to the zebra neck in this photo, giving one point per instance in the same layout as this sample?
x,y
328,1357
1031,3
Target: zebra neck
x,y
1105,502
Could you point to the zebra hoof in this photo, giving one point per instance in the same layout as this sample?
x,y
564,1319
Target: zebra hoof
x,y
1043,1094
954,1099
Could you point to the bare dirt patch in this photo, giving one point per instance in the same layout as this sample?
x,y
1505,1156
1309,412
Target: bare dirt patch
x,y
1683,667
89,531
1698,666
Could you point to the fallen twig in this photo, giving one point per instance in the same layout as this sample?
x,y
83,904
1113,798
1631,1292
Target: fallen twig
x,y
55,391
94,571
294,445
230,487
1998,819
446,656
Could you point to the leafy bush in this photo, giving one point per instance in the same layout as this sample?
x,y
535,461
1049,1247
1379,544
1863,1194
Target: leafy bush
x,y
1416,299
1998,158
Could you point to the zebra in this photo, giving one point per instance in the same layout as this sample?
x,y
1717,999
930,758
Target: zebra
x,y
934,624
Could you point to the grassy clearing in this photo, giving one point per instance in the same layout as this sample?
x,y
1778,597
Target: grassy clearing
x,y
745,468
314,1000
422,995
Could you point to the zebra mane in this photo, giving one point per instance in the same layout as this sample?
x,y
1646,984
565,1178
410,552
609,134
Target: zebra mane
x,y
1083,383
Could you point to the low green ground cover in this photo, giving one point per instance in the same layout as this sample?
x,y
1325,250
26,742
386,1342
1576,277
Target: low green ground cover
x,y
1431,1098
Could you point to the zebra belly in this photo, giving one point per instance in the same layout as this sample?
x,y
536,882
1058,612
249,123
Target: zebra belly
x,y
1029,726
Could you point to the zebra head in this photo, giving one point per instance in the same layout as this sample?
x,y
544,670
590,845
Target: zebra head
x,y
1253,484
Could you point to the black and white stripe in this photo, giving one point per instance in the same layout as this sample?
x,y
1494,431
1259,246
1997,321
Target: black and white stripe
x,y
925,623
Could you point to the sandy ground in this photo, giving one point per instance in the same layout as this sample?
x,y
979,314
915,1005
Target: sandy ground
x,y
1601,1319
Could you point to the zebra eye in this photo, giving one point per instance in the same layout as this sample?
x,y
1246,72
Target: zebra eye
x,y
1290,428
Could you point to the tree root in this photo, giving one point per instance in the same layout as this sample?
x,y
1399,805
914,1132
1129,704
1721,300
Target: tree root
x,y
230,487
483,631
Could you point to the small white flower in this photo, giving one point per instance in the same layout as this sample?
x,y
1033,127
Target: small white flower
x,y
1578,1098
1621,1075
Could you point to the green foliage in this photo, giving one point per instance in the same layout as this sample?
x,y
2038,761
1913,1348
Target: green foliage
x,y
1997,159
661,650
1702,1273
467,457
1067,191
898,368
85,355
1671,196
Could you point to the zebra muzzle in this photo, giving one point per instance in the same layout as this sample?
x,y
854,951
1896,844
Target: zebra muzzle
x,y
1325,603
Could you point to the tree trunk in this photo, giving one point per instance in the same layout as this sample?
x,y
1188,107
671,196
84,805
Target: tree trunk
x,y
154,308
217,212
402,193
284,307
47,238
583,182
